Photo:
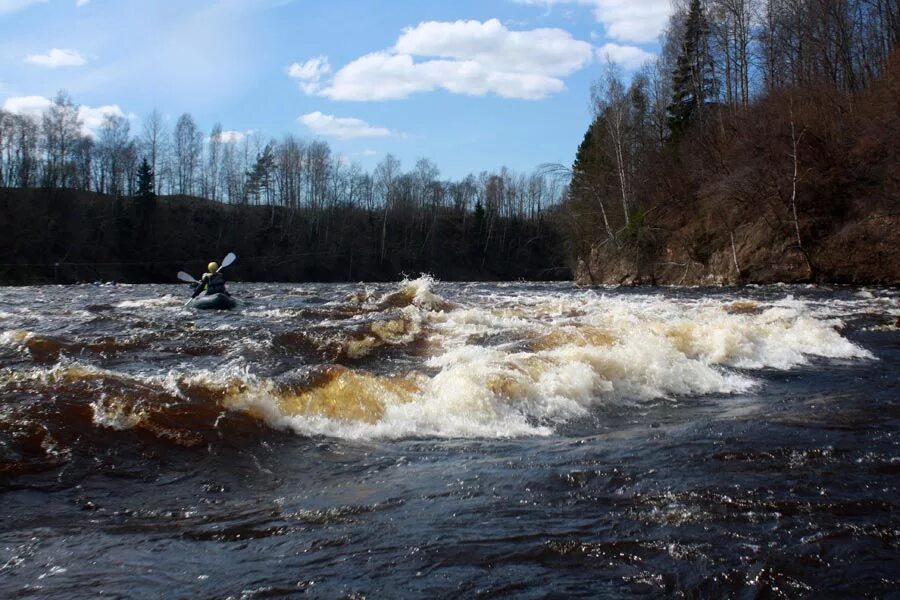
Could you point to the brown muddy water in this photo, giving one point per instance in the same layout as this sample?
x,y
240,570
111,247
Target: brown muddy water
x,y
446,440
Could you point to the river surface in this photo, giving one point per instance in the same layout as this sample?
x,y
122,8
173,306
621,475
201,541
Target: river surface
x,y
436,440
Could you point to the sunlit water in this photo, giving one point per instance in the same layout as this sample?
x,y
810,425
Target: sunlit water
x,y
437,440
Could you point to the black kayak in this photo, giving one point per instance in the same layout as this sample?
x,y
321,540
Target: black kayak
x,y
213,302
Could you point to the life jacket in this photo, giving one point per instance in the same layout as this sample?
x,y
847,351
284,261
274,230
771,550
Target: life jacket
x,y
215,283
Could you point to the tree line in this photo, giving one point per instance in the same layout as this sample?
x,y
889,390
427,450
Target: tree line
x,y
303,187
54,152
748,118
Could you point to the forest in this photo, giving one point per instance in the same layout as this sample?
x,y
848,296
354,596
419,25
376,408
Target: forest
x,y
760,146
125,207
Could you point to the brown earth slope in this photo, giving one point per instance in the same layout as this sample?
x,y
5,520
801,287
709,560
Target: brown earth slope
x,y
718,207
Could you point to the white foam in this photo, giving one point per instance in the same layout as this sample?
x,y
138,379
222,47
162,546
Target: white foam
x,y
278,314
658,348
164,301
114,415
14,338
523,363
424,295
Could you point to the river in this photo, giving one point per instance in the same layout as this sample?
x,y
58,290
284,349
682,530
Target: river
x,y
444,440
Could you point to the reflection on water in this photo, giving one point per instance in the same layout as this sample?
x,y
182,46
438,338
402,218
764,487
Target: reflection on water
x,y
430,439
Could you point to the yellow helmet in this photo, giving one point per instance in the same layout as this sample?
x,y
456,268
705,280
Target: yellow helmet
x,y
212,267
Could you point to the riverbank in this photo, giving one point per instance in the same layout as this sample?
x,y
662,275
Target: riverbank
x,y
67,236
864,250
802,185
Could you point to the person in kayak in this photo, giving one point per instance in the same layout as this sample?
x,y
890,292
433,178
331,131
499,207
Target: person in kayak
x,y
212,282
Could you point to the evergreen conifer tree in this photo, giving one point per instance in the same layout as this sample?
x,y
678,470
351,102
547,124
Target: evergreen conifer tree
x,y
258,182
582,156
145,198
146,182
693,81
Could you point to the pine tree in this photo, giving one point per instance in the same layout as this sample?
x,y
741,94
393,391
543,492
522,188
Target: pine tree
x,y
146,183
589,171
145,201
582,156
693,82
258,178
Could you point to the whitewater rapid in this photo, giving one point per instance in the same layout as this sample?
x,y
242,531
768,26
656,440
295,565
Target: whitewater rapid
x,y
508,367
405,361
429,439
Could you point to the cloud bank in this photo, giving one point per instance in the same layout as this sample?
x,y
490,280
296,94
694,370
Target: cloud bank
x,y
231,136
462,57
624,20
630,57
91,116
57,57
343,128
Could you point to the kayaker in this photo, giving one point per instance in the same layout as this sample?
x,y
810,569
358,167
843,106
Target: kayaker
x,y
212,282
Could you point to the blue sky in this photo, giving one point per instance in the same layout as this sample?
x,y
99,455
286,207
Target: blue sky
x,y
470,84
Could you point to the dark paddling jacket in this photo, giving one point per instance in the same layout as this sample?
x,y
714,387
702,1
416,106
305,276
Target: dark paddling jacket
x,y
211,283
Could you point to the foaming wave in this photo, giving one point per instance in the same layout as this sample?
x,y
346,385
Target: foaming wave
x,y
74,403
165,301
404,330
778,337
558,360
481,392
48,349
356,404
116,414
416,292
14,338
740,334
497,366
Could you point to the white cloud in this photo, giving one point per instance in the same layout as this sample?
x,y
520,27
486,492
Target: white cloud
x,y
91,117
342,127
624,20
380,76
493,46
369,152
80,3
57,57
231,136
11,6
310,73
463,57
31,106
630,57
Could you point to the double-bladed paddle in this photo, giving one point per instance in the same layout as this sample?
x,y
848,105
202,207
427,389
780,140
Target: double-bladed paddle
x,y
185,277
